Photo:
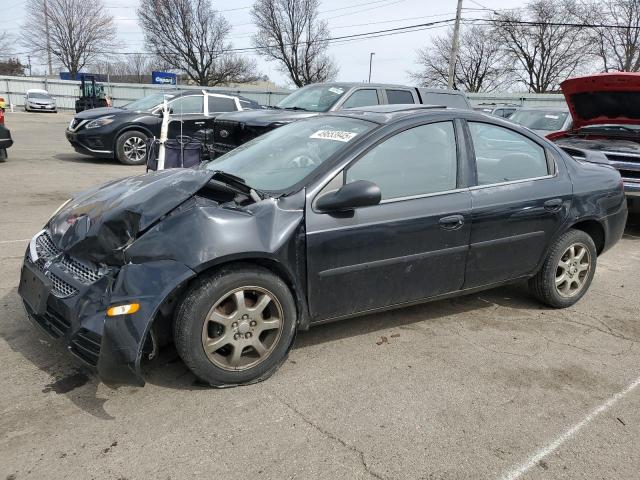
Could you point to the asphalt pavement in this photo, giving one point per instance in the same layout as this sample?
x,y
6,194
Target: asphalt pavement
x,y
487,386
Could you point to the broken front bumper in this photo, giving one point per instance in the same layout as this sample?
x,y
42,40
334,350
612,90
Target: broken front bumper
x,y
69,300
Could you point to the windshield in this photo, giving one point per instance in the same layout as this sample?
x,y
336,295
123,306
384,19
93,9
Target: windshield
x,y
41,96
148,102
283,157
549,120
315,98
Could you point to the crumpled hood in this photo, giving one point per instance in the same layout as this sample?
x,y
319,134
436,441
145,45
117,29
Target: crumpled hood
x,y
606,98
99,223
265,117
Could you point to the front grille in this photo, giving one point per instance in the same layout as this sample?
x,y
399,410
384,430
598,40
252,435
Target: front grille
x,y
615,157
86,345
631,174
59,287
79,271
48,252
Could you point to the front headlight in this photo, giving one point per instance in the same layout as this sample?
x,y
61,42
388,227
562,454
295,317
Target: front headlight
x,y
100,122
58,210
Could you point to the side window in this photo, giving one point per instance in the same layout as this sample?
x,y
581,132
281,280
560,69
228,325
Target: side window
x,y
503,155
362,98
399,96
417,161
190,104
221,104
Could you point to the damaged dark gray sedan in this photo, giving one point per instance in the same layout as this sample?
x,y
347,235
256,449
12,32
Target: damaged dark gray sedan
x,y
319,220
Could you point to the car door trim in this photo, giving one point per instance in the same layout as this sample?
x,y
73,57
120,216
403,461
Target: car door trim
x,y
511,238
511,182
390,261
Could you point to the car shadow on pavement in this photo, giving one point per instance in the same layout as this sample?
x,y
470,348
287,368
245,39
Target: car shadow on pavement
x,y
79,158
67,375
167,369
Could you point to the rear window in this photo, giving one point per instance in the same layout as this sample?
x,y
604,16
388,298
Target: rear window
x,y
399,96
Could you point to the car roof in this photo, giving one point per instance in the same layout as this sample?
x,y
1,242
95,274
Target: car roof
x,y
546,109
383,114
37,90
362,84
386,114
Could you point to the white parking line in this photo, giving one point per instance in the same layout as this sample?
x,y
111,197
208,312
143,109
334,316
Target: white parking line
x,y
553,446
15,241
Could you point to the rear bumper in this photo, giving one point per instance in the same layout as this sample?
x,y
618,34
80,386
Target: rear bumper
x,y
112,346
614,226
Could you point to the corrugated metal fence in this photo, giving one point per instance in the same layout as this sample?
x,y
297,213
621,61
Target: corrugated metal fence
x,y
67,91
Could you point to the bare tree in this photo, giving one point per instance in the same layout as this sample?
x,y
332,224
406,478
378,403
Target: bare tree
x,y
545,42
189,35
80,31
480,66
291,33
618,48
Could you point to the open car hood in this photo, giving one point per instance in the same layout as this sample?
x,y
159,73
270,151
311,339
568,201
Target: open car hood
x,y
98,224
606,98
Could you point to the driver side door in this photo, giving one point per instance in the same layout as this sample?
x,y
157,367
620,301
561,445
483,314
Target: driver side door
x,y
411,246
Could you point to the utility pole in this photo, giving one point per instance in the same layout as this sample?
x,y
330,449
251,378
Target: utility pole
x,y
29,60
454,45
46,29
370,62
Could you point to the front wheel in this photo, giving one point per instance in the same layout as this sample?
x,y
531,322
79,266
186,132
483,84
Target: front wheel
x,y
567,271
235,326
131,148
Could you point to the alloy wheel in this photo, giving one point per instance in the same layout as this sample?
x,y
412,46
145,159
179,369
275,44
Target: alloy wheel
x,y
135,149
573,270
242,328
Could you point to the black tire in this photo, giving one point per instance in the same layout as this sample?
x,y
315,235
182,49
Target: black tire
x,y
199,301
136,137
543,285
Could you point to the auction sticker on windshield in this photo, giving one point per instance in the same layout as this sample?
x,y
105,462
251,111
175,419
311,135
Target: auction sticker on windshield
x,y
335,90
338,135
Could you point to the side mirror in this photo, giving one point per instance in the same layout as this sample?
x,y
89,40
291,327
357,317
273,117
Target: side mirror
x,y
360,193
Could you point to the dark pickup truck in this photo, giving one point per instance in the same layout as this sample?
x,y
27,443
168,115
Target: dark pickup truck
x,y
233,129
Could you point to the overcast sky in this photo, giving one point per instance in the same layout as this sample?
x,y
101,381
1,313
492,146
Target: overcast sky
x,y
394,55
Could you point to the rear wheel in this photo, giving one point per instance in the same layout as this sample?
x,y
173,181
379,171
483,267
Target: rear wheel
x,y
131,148
235,326
567,272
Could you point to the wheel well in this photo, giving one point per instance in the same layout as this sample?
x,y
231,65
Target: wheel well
x,y
130,128
595,230
273,266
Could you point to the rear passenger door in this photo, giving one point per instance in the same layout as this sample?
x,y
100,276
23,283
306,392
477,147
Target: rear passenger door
x,y
521,197
411,246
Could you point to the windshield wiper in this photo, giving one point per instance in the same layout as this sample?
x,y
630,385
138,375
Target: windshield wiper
x,y
239,184
298,108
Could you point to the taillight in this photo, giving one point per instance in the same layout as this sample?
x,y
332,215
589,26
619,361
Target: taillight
x,y
1,116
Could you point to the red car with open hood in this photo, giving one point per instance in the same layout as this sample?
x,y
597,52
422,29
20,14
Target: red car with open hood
x,y
606,125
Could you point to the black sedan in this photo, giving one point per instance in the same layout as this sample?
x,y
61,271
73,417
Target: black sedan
x,y
122,132
319,220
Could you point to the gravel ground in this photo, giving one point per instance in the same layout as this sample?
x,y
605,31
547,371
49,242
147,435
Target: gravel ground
x,y
492,385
